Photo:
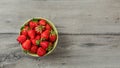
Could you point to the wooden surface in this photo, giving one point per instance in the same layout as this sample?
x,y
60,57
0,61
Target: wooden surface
x,y
89,33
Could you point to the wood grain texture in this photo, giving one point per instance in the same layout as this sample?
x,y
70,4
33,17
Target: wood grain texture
x,y
70,17
73,51
89,33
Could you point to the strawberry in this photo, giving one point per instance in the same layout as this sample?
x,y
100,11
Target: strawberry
x,y
33,41
44,44
42,22
31,34
26,45
53,36
32,24
26,28
24,32
39,29
41,52
45,35
48,27
38,37
50,46
34,49
21,38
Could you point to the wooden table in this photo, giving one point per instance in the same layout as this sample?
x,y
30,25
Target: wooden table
x,y
89,33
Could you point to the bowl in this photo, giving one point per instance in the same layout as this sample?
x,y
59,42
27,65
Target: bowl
x,y
53,27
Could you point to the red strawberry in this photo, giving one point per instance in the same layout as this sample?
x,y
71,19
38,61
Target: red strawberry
x,y
26,28
24,32
32,24
34,49
44,44
26,45
50,46
33,41
38,37
41,52
21,38
48,27
52,37
31,34
42,22
45,34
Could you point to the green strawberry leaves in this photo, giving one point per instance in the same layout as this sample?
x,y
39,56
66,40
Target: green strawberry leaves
x,y
22,28
49,48
37,42
39,28
35,19
52,32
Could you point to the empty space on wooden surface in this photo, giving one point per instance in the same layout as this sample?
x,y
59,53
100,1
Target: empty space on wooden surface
x,y
80,16
72,50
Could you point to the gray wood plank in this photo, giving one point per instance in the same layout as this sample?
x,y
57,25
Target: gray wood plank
x,y
79,16
73,51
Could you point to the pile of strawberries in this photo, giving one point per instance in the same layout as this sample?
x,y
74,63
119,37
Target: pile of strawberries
x,y
37,37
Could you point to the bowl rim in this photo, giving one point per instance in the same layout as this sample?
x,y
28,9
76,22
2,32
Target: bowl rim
x,y
54,28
